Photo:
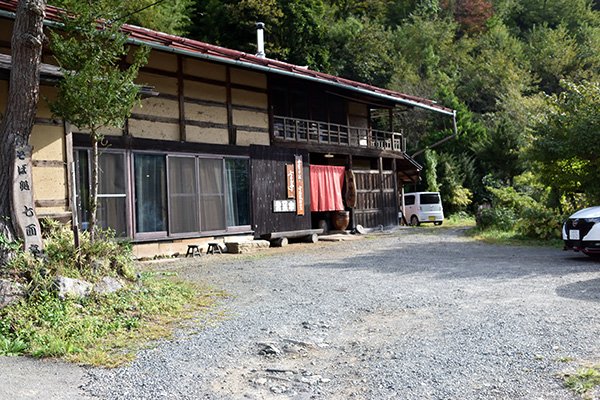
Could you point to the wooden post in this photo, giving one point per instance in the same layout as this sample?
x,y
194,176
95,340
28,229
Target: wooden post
x,y
71,187
381,193
395,175
352,212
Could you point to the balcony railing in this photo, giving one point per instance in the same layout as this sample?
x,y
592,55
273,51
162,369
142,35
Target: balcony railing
x,y
307,131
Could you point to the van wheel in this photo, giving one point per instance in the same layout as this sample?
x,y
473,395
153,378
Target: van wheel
x,y
438,223
414,221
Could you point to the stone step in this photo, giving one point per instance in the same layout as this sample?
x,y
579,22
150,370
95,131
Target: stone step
x,y
246,246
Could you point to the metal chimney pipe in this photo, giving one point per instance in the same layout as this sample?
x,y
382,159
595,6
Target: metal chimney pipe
x,y
260,40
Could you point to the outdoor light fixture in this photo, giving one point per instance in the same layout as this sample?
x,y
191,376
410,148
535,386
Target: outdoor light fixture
x,y
328,155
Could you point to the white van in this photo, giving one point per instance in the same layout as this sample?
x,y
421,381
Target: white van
x,y
423,207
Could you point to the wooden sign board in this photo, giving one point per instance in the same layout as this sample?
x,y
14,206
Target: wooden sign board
x,y
290,181
23,210
299,186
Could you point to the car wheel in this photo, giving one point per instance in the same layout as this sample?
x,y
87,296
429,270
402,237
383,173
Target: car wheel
x,y
414,221
438,223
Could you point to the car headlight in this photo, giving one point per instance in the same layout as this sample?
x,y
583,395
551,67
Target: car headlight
x,y
593,220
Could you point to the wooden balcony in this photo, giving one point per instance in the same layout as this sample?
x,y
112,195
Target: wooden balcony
x,y
315,132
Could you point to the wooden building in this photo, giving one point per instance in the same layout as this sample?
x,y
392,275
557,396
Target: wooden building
x,y
210,153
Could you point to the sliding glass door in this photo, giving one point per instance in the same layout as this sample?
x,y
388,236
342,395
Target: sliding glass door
x,y
150,193
212,207
183,195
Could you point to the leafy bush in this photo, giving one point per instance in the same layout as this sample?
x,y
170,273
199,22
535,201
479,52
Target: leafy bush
x,y
91,261
539,222
499,217
89,330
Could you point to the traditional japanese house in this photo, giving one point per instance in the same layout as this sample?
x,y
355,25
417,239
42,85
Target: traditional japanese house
x,y
225,143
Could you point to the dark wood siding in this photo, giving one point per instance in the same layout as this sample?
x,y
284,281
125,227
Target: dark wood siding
x,y
269,183
376,198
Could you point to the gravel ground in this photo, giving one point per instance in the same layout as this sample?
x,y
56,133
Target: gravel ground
x,y
415,314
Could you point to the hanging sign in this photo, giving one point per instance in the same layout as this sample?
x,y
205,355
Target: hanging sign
x,y
299,186
290,181
23,210
284,206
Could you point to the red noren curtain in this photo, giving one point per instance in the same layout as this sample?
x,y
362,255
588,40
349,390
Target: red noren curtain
x,y
326,184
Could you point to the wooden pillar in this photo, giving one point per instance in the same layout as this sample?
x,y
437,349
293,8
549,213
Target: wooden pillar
x,y
395,175
352,210
391,119
381,193
181,99
71,185
403,207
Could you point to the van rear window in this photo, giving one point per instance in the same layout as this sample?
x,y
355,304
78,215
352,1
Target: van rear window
x,y
431,198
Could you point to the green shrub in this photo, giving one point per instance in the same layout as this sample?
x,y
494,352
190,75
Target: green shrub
x,y
539,222
499,217
91,330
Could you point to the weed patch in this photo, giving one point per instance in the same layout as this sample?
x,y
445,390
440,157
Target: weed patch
x,y
101,329
583,381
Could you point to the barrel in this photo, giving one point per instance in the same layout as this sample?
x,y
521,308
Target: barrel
x,y
340,220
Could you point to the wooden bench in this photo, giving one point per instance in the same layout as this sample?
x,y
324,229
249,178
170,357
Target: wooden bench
x,y
280,239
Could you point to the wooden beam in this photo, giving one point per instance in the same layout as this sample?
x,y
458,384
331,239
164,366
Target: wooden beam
x,y
133,143
209,81
51,203
48,163
336,149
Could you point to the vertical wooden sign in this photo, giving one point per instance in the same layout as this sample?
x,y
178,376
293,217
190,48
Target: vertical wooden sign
x,y
299,186
25,219
290,181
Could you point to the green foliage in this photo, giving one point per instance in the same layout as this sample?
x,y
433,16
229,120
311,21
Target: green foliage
x,y
553,54
91,261
95,92
567,139
362,51
497,66
583,380
539,222
498,217
455,171
521,208
431,171
100,329
168,16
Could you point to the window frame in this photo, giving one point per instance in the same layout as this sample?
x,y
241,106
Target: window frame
x,y
127,184
131,196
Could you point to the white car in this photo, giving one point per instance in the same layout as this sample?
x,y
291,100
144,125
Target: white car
x,y
423,207
581,232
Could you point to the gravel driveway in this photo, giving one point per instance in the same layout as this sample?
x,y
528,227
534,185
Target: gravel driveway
x,y
415,314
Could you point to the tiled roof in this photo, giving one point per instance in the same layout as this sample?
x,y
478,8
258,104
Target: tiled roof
x,y
194,48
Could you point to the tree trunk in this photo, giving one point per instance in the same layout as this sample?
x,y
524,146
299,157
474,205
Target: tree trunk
x,y
94,188
23,94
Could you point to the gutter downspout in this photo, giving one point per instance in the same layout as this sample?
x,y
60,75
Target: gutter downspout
x,y
444,140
